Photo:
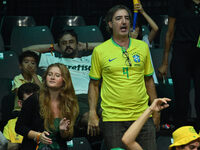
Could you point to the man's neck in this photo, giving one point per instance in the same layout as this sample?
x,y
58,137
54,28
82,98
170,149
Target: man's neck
x,y
70,56
123,41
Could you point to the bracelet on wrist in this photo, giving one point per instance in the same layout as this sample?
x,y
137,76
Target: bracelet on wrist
x,y
51,49
38,138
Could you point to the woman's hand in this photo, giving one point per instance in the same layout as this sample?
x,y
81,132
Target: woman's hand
x,y
159,104
44,139
64,124
138,7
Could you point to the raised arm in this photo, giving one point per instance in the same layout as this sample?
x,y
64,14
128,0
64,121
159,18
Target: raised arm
x,y
87,45
168,40
153,25
151,91
131,134
41,48
93,94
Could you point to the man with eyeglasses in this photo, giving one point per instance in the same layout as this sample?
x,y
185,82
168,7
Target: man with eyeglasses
x,y
125,68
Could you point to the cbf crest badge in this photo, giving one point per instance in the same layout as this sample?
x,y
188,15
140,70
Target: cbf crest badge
x,y
136,58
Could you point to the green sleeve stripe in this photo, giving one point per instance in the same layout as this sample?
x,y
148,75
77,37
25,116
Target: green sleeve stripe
x,y
94,78
149,74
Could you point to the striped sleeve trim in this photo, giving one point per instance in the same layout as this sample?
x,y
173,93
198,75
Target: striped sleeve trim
x,y
94,78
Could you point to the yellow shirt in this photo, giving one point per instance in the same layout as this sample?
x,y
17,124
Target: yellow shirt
x,y
9,132
123,91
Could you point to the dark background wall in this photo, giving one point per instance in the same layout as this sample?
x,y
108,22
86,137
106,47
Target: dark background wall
x,y
91,10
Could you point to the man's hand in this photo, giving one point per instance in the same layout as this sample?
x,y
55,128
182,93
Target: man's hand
x,y
82,46
93,124
162,71
156,120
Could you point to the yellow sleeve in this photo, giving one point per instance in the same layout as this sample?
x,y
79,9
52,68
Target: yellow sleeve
x,y
16,83
40,78
148,70
95,71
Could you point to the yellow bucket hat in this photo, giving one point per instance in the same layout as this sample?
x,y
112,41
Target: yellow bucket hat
x,y
184,135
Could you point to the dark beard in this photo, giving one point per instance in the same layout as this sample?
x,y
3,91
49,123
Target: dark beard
x,y
69,55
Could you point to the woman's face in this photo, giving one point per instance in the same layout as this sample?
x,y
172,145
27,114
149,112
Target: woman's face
x,y
54,78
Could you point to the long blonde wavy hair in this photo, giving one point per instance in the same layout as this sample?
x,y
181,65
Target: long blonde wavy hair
x,y
68,104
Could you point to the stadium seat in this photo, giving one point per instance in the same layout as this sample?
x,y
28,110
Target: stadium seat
x,y
1,43
25,36
87,33
9,64
9,22
58,23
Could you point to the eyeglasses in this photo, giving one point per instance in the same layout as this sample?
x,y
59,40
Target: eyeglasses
x,y
128,61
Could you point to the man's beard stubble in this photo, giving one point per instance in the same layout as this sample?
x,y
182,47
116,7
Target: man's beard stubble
x,y
71,54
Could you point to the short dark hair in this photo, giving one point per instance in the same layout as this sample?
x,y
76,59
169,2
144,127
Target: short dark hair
x,y
28,54
64,32
27,88
111,13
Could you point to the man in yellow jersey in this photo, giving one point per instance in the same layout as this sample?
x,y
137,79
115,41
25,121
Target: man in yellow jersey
x,y
125,68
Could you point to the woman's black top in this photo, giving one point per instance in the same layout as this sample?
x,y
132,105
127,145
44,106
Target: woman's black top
x,y
30,119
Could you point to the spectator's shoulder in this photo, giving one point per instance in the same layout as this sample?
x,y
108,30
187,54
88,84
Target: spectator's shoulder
x,y
109,41
32,100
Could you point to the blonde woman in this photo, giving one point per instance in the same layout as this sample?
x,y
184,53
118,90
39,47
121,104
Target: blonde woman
x,y
46,120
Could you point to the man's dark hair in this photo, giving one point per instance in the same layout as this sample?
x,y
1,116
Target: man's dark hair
x,y
64,32
27,88
111,13
29,54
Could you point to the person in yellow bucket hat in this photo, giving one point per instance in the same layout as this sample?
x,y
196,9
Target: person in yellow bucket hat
x,y
185,138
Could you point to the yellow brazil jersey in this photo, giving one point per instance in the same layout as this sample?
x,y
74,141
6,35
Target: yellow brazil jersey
x,y
9,132
123,92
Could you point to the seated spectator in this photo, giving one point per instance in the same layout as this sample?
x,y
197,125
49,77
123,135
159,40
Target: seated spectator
x,y
58,47
47,120
185,138
129,137
28,65
66,52
14,139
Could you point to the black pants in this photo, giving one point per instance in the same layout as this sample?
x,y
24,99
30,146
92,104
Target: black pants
x,y
185,67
